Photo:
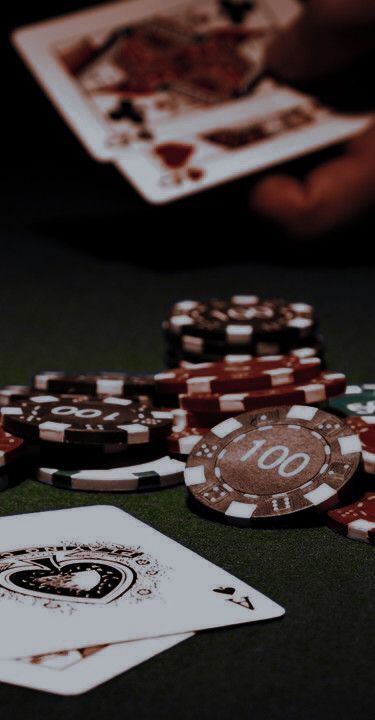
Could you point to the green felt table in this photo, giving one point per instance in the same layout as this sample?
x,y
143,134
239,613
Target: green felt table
x,y
65,307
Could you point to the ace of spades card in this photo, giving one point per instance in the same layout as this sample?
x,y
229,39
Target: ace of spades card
x,y
96,575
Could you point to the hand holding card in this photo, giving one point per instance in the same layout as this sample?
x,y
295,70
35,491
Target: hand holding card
x,y
175,97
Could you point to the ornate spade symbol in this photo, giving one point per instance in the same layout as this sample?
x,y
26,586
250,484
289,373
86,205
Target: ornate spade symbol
x,y
82,579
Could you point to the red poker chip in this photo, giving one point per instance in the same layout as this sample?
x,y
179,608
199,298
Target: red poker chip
x,y
11,447
12,393
355,521
364,425
183,419
258,373
207,420
236,358
361,423
317,391
181,442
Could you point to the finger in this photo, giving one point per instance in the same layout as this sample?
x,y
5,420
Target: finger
x,y
310,49
332,194
279,197
342,13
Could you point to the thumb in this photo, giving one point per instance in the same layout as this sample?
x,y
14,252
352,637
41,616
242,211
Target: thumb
x,y
332,194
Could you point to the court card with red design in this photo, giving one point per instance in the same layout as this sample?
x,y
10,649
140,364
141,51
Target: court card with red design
x,y
176,93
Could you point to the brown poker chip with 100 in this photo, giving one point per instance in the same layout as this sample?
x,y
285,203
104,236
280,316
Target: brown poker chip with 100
x,y
272,462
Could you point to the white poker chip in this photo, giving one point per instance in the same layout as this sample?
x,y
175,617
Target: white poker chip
x,y
160,473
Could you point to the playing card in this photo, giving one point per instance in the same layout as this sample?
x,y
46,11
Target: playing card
x,y
175,93
96,575
72,672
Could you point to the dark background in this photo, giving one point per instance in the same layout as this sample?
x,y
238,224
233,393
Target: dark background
x,y
54,186
88,271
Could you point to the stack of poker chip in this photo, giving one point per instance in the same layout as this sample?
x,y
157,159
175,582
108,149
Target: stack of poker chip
x,y
357,406
253,440
357,520
203,395
122,432
90,432
241,326
11,456
262,442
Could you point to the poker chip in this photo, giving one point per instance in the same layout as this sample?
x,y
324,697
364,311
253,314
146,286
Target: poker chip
x,y
175,355
226,360
160,473
197,346
208,420
5,481
166,400
183,419
181,359
276,462
302,353
318,390
107,421
8,480
10,396
355,521
112,384
259,373
365,427
257,348
241,318
358,400
76,454
181,442
10,448
360,423
11,393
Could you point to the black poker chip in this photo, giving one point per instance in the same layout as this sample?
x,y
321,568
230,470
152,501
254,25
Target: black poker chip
x,y
175,354
13,393
109,421
14,472
73,456
241,320
58,454
260,345
102,384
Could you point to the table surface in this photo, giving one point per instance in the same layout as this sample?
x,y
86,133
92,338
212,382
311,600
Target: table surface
x,y
87,273
64,307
